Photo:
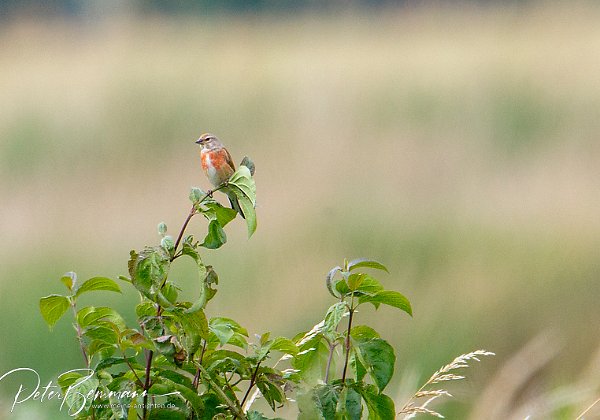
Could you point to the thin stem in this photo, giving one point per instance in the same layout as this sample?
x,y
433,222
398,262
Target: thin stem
x,y
187,221
196,382
86,359
347,358
252,382
236,408
138,380
332,346
149,356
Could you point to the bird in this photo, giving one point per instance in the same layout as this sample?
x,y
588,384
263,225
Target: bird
x,y
218,165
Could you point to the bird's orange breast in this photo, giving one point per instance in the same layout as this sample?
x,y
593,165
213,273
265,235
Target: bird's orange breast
x,y
217,165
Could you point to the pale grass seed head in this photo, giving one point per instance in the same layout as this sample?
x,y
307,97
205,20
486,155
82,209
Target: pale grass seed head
x,y
419,402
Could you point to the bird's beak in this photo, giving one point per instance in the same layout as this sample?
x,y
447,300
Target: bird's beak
x,y
199,141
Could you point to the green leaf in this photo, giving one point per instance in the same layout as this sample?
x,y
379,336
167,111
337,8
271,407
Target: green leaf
x,y
247,162
355,280
222,332
264,338
216,236
195,326
360,333
204,273
255,415
69,279
349,406
196,194
81,384
342,287
98,346
225,329
131,338
272,393
212,407
215,211
242,181
162,229
53,308
112,361
379,359
145,309
284,345
166,414
242,185
369,285
319,403
358,367
98,283
102,333
124,278
168,244
178,377
225,360
388,297
365,262
335,313
91,315
363,333
380,406
169,291
149,270
329,281
311,360
188,394
249,213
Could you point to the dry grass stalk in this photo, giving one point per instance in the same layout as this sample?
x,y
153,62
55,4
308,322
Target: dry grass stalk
x,y
411,408
580,417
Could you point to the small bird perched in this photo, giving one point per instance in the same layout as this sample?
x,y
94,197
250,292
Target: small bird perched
x,y
218,165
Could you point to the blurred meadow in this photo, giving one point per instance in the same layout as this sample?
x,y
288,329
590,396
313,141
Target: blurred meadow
x,y
458,145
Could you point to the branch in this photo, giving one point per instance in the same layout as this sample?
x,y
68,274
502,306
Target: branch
x,y
234,407
196,382
252,382
80,335
149,356
347,357
187,221
332,346
150,353
138,380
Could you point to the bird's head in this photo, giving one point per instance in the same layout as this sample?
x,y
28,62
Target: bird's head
x,y
209,141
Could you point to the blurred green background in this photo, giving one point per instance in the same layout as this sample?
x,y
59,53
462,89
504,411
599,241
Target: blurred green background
x,y
459,145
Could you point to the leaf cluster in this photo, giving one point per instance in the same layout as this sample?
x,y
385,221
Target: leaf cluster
x,y
177,362
365,359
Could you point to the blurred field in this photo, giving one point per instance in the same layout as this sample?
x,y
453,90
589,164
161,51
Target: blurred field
x,y
460,147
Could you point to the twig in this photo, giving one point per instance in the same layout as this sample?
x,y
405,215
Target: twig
x,y
252,382
80,335
187,221
196,382
234,407
138,380
332,347
149,356
347,357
